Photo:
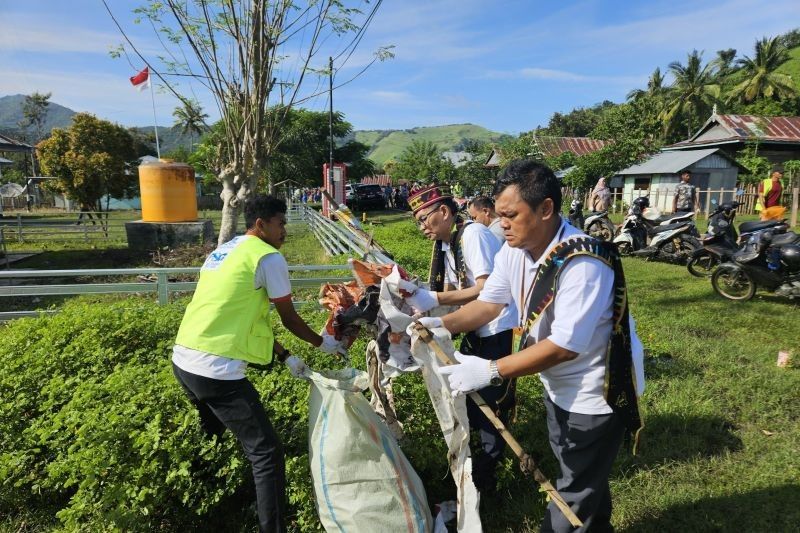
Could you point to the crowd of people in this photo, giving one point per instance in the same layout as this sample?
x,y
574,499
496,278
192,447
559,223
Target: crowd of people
x,y
524,283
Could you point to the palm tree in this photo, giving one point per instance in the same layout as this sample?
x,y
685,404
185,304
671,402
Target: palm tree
x,y
655,87
190,119
724,61
692,94
762,79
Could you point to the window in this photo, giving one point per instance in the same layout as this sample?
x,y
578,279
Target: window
x,y
641,184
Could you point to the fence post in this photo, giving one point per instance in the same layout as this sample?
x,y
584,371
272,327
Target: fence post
x,y
19,227
795,201
163,289
708,202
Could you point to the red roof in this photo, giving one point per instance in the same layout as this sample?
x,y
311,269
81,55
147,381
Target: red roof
x,y
748,127
555,146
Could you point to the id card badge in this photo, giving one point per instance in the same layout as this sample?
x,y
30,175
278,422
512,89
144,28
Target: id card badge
x,y
516,338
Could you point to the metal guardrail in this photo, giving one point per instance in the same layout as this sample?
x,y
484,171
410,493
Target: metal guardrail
x,y
161,286
336,239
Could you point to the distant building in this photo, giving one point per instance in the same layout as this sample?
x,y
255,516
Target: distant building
x,y
658,176
553,147
458,159
778,137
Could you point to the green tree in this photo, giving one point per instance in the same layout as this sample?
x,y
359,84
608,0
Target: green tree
x,y
633,131
189,118
758,167
762,80
90,159
655,87
577,123
34,113
724,62
238,51
692,94
791,169
422,161
472,175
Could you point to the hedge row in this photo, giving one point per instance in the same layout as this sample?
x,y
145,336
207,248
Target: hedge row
x,y
93,423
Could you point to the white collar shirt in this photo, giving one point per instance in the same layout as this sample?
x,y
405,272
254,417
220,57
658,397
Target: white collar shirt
x,y
579,320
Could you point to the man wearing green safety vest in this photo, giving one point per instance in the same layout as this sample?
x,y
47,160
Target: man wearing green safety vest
x,y
225,327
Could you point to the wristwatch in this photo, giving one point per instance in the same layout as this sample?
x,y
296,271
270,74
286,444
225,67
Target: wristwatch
x,y
495,378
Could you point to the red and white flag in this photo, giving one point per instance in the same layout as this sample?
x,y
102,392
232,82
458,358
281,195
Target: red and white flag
x,y
142,80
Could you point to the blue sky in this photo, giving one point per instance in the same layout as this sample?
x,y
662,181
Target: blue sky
x,y
503,65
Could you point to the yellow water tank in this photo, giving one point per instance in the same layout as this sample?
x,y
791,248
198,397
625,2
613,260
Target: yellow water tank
x,y
168,192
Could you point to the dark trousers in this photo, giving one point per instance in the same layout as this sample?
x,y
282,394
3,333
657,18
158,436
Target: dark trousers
x,y
585,446
500,399
235,405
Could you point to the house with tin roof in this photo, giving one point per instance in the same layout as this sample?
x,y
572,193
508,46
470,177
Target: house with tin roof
x,y
778,138
554,146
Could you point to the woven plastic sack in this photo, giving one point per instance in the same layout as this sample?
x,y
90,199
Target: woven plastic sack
x,y
362,479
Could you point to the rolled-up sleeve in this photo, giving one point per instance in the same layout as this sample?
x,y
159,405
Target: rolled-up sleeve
x,y
584,298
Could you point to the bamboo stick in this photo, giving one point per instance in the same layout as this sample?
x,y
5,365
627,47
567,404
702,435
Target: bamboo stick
x,y
527,463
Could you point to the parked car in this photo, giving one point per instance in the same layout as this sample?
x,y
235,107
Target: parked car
x,y
349,193
368,196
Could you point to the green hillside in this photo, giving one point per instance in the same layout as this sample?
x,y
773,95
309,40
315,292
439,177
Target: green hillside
x,y
389,144
792,67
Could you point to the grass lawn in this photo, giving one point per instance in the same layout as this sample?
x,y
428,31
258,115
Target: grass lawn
x,y
720,448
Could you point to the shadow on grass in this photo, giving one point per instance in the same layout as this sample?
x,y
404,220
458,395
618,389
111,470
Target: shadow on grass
x,y
769,509
672,438
71,259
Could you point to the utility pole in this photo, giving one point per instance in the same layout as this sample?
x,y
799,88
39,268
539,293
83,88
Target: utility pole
x,y
330,128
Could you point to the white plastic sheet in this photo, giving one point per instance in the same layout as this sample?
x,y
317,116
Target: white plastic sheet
x,y
362,479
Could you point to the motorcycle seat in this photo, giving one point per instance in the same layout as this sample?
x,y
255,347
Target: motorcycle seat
x,y
758,225
661,229
785,238
598,213
674,218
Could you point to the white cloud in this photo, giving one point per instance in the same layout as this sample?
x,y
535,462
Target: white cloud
x,y
26,33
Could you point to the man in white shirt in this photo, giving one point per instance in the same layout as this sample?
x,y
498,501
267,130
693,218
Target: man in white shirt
x,y
566,340
463,259
226,326
481,210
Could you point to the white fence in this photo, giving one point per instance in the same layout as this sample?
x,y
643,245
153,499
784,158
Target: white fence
x,y
159,281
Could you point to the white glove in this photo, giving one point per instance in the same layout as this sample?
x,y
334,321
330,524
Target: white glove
x,y
470,375
429,322
330,344
422,300
297,367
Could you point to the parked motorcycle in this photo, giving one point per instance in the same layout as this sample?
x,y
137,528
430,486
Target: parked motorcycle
x,y
769,260
645,233
721,240
596,225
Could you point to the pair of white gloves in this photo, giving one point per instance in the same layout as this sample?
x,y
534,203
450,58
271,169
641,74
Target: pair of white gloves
x,y
471,374
298,368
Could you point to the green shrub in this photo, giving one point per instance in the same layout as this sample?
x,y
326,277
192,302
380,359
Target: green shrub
x,y
94,427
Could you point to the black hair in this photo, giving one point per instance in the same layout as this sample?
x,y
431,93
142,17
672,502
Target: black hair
x,y
262,206
450,204
534,181
482,202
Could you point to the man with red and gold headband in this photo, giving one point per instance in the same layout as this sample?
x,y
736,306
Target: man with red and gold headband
x,y
463,258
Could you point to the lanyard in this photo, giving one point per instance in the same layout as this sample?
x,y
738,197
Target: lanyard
x,y
524,298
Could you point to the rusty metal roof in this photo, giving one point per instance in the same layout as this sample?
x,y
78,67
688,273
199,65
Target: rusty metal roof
x,y
741,128
7,144
555,146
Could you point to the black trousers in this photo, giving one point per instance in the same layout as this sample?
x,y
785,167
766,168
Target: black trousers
x,y
235,405
585,446
501,399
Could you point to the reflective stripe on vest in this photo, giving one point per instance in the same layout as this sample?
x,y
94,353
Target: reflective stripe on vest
x,y
228,316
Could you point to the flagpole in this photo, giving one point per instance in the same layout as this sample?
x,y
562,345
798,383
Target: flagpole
x,y
155,122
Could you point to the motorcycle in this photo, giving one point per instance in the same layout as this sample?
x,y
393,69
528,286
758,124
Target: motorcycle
x,y
721,240
596,225
645,233
769,260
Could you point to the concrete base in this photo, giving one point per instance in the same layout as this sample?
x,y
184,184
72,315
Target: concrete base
x,y
153,235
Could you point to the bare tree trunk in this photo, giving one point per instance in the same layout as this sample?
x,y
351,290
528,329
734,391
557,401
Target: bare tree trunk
x,y
230,209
